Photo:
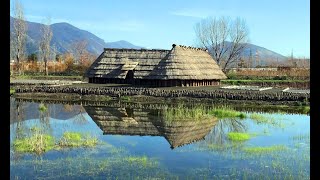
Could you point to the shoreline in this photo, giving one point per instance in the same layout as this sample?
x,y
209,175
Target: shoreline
x,y
140,93
157,103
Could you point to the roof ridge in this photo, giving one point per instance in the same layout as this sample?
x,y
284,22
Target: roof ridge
x,y
142,49
189,47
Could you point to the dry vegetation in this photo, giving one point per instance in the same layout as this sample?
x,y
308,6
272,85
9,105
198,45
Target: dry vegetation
x,y
64,65
271,73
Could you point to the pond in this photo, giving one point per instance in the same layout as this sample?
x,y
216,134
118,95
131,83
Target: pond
x,y
156,141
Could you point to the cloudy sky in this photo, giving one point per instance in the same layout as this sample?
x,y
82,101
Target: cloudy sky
x,y
279,25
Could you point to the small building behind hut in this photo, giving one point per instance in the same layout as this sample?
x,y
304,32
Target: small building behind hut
x,y
180,66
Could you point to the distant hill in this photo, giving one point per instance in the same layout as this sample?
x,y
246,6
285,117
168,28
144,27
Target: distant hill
x,y
265,56
64,35
122,44
260,55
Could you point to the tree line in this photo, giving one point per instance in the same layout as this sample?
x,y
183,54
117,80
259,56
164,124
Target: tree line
x,y
77,59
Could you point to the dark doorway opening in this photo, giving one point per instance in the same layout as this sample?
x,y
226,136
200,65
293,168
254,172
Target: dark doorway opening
x,y
129,77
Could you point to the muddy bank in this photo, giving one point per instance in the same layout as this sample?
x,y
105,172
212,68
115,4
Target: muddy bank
x,y
167,93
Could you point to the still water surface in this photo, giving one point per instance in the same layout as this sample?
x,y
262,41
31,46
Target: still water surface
x,y
135,143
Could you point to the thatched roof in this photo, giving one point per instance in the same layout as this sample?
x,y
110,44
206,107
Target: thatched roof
x,y
185,62
181,62
117,121
115,63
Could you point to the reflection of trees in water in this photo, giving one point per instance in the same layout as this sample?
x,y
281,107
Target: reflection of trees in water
x,y
17,114
44,119
18,125
219,132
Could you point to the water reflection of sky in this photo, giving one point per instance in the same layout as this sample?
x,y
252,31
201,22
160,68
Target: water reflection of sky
x,y
177,160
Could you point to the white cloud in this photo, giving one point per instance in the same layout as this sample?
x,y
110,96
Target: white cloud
x,y
43,19
197,13
201,13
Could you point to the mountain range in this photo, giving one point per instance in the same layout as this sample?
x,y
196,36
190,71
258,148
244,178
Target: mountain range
x,y
65,35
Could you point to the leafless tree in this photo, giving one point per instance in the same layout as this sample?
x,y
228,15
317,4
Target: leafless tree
x,y
19,34
12,49
79,50
53,55
44,47
224,38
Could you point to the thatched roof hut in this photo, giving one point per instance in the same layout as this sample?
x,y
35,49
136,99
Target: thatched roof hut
x,y
122,121
180,66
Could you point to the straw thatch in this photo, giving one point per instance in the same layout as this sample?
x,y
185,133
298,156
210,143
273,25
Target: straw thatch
x,y
187,63
115,63
122,121
180,66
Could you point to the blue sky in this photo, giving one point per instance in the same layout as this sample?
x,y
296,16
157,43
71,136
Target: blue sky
x,y
279,25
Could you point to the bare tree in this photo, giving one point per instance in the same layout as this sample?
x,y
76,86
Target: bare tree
x,y
44,47
19,34
53,55
79,49
224,38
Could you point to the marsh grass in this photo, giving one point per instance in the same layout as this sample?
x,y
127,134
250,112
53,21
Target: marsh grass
x,y
183,113
125,98
223,147
222,113
75,139
105,98
258,117
237,136
141,160
114,167
304,109
198,113
263,119
264,149
42,107
38,143
12,91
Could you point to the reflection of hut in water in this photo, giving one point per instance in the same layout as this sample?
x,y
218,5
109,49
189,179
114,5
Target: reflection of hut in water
x,y
123,121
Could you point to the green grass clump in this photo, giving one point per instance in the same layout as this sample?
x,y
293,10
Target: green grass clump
x,y
75,139
42,107
259,118
266,149
227,113
106,98
140,160
125,98
305,109
37,143
236,136
12,91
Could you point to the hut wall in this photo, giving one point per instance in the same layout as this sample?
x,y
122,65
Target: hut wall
x,y
156,83
176,82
